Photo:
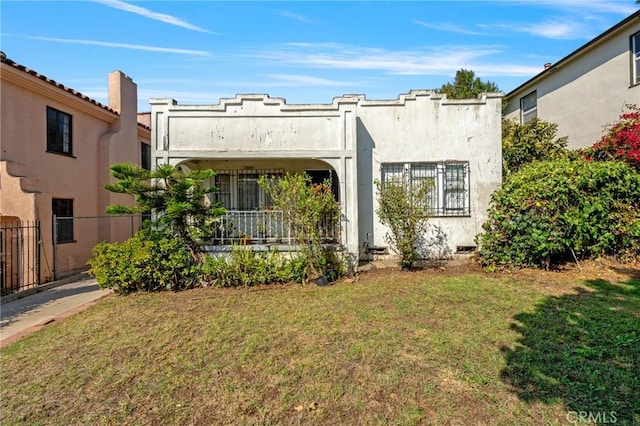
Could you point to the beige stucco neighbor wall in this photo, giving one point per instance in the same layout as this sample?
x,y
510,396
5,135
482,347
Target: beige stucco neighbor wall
x,y
351,135
30,177
586,91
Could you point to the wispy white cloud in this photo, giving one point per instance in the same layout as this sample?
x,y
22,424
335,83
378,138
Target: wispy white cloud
x,y
557,29
570,19
101,95
162,17
448,27
117,45
445,60
183,96
583,7
295,16
303,80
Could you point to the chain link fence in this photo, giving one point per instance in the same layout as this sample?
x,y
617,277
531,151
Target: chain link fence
x,y
75,237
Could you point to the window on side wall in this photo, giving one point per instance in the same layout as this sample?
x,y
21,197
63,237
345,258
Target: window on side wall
x,y
529,107
449,195
59,132
635,58
63,212
145,156
145,163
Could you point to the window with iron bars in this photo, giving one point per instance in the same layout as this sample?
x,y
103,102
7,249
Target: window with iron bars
x,y
239,189
449,195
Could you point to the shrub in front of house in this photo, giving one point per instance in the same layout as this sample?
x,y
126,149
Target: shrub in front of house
x,y
403,206
246,267
150,261
153,261
621,140
165,255
311,212
563,210
524,143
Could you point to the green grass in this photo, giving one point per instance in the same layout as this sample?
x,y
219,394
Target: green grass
x,y
392,348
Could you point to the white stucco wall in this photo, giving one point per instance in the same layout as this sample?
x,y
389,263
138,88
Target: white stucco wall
x,y
352,135
425,127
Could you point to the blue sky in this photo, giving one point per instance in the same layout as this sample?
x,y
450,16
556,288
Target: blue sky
x,y
306,52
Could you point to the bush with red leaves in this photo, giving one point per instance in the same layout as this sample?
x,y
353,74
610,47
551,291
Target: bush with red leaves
x,y
621,140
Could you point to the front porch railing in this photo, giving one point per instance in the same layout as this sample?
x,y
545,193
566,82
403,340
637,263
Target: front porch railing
x,y
263,227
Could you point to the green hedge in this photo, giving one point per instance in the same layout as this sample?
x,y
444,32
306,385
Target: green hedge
x,y
154,261
150,261
548,209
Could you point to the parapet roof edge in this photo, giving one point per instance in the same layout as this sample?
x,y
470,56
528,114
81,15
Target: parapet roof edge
x,y
239,99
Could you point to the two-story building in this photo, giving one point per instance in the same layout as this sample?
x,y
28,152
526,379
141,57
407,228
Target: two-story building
x,y
587,89
56,147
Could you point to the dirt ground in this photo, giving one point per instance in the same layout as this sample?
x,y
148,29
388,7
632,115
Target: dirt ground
x,y
603,269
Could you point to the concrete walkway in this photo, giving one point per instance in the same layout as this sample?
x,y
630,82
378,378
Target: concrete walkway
x,y
34,310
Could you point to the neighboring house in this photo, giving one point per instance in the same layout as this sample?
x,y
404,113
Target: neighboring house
x,y
352,142
56,149
586,90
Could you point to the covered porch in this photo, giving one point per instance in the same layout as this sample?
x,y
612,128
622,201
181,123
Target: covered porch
x,y
251,219
251,135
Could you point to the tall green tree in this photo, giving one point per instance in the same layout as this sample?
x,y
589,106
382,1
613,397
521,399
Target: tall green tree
x,y
466,86
177,198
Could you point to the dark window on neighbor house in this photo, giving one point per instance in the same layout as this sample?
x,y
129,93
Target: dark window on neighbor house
x,y
59,134
145,156
63,212
528,107
635,58
449,195
145,163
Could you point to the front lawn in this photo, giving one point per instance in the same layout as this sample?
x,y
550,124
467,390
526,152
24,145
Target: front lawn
x,y
427,347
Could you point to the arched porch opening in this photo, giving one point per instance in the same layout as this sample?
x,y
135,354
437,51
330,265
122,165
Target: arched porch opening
x,y
251,219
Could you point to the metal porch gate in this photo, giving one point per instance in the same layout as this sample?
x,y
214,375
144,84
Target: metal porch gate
x,y
19,256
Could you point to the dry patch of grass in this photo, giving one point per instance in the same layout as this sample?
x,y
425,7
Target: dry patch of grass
x,y
433,347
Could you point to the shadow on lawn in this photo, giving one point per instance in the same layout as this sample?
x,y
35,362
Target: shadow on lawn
x,y
582,349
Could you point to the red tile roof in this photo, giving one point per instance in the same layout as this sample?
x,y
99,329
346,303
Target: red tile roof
x,y
5,60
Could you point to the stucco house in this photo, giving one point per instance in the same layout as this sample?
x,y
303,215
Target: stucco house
x,y
586,90
56,147
352,142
